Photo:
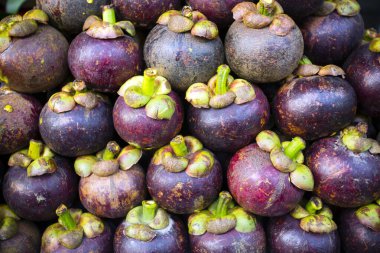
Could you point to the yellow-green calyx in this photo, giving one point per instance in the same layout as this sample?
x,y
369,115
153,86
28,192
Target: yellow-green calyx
x,y
373,38
8,223
287,157
221,217
185,154
107,28
346,8
189,21
265,13
108,161
143,221
72,94
355,139
369,216
314,217
38,159
151,91
221,91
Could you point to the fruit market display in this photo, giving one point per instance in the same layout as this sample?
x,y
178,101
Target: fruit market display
x,y
169,126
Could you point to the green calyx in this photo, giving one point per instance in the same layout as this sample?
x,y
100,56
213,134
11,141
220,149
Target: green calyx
x,y
287,157
374,45
355,139
347,8
142,221
369,216
8,223
306,68
151,91
221,91
37,160
315,218
221,217
108,161
373,38
185,154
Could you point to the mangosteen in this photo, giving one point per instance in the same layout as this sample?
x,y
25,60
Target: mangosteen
x,y
299,9
184,47
183,177
112,182
316,103
268,177
18,120
263,45
33,55
147,114
37,181
363,72
346,168
309,229
226,114
76,121
149,229
225,228
102,55
144,13
69,15
360,229
77,232
333,32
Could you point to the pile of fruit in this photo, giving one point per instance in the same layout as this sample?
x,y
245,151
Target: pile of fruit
x,y
217,126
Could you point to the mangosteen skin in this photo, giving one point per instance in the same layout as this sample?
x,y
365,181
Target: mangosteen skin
x,y
257,186
299,9
343,178
104,64
355,236
144,13
36,63
230,242
27,239
314,107
99,244
77,132
170,239
134,126
363,72
260,56
181,194
230,128
330,39
20,125
182,58
37,198
285,235
113,196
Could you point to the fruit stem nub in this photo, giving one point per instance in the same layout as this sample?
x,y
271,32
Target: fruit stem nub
x,y
148,82
65,218
223,203
149,210
294,147
179,146
222,79
35,149
109,15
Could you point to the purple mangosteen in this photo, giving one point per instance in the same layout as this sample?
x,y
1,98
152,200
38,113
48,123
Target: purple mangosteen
x,y
300,9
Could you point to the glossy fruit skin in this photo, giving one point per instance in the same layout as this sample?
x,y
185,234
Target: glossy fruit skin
x,y
230,242
20,125
182,58
69,15
99,244
232,127
257,186
104,64
260,56
77,132
37,198
366,240
171,239
299,9
314,107
286,236
330,39
27,239
134,126
363,72
113,196
342,177
144,13
46,64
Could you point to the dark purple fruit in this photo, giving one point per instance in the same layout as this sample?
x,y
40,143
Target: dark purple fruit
x,y
76,122
232,117
346,168
299,9
18,120
150,229
183,177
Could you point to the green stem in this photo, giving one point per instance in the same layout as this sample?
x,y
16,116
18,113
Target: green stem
x,y
304,61
109,14
65,218
179,146
313,205
223,203
148,82
149,210
222,79
266,7
35,149
294,147
111,151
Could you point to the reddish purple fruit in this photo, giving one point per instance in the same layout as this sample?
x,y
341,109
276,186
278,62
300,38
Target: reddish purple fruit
x,y
299,9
